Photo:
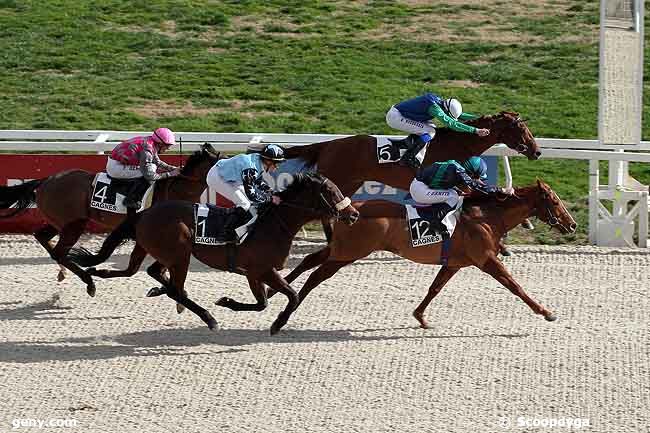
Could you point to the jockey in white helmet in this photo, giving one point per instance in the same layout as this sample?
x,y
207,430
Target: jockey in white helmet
x,y
415,116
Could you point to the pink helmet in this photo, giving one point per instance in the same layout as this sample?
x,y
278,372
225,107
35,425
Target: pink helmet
x,y
164,136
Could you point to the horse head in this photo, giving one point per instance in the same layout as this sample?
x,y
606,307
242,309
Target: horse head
x,y
315,192
200,162
512,130
550,209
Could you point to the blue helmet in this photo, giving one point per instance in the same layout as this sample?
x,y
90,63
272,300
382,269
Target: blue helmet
x,y
273,152
476,167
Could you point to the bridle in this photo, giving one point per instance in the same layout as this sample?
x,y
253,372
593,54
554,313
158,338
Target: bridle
x,y
521,147
333,211
552,219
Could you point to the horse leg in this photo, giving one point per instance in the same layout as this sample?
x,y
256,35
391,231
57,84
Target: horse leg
x,y
444,275
276,282
176,291
328,228
311,261
44,237
157,271
259,291
321,274
324,272
494,267
68,237
135,260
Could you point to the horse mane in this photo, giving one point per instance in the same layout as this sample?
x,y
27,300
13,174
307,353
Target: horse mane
x,y
308,153
193,161
299,181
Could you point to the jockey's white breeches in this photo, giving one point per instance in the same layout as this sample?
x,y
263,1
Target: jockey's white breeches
x,y
421,193
233,191
394,119
120,171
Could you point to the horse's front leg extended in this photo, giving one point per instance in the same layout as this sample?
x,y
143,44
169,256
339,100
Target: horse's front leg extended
x,y
444,275
311,261
277,283
259,291
494,267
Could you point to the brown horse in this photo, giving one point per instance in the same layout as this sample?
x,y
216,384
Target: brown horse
x,y
64,200
382,227
165,231
350,161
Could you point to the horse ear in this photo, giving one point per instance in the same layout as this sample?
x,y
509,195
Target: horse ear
x,y
540,184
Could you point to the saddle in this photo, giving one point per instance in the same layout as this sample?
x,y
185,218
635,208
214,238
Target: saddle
x,y
216,225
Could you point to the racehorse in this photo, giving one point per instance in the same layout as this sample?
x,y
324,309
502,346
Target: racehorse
x,y
382,227
64,200
165,231
350,161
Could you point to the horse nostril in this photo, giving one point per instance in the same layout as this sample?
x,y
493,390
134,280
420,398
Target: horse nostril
x,y
538,154
573,226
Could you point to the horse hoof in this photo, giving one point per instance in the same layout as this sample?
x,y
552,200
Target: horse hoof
x,y
91,290
223,302
155,291
180,308
550,317
61,276
528,225
212,324
275,327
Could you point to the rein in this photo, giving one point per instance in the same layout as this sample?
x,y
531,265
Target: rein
x,y
333,211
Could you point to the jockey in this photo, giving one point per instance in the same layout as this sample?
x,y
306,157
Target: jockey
x,y
476,168
436,185
415,117
239,179
137,158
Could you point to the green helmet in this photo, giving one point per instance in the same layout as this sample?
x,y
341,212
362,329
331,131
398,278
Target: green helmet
x,y
476,167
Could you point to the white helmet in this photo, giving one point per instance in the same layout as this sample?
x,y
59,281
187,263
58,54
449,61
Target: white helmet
x,y
452,107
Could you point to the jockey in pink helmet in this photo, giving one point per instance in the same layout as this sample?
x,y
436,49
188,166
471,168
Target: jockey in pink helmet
x,y
137,158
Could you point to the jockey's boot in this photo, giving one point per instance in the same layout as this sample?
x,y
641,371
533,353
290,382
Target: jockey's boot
x,y
246,218
438,213
415,144
133,199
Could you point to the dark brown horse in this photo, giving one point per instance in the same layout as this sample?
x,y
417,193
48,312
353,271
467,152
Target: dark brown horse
x,y
64,200
350,161
165,231
382,227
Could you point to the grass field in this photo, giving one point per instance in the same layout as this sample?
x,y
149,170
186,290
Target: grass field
x,y
305,66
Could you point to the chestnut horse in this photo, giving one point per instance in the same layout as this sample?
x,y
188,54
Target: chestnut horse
x,y
64,200
165,231
475,242
350,161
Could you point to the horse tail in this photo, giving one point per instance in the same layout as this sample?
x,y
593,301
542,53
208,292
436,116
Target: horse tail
x,y
122,233
21,197
308,153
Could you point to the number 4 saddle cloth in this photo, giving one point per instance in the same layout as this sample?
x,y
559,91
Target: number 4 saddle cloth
x,y
108,194
417,219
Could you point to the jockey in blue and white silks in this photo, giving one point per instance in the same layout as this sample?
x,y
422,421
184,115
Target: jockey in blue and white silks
x,y
239,179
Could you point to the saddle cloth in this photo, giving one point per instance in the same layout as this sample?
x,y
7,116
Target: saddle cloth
x,y
108,194
215,225
391,151
419,227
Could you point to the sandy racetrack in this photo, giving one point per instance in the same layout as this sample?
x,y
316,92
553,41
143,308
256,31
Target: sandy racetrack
x,y
352,359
